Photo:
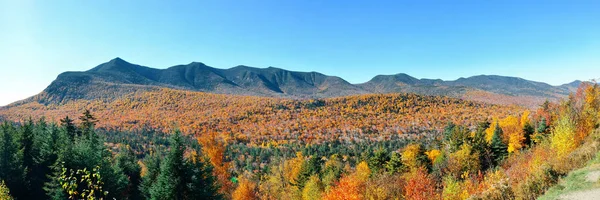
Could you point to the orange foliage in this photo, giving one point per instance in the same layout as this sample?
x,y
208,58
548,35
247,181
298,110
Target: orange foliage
x,y
352,186
214,149
245,191
420,186
261,119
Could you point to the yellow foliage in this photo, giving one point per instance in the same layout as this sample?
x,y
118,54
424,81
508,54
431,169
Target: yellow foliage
x,y
312,189
513,133
362,171
563,136
292,167
409,156
245,191
463,162
454,189
4,193
433,154
525,118
489,132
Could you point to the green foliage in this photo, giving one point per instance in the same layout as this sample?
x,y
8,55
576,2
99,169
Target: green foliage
x,y
152,163
455,136
127,162
68,126
313,189
11,155
498,147
309,168
378,160
334,167
394,165
182,178
529,132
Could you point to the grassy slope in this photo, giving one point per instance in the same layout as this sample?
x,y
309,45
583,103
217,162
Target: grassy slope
x,y
575,181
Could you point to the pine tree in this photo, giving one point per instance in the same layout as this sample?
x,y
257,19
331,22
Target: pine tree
x,y
394,165
126,161
378,160
309,167
88,121
26,143
11,155
201,184
152,163
481,146
169,184
529,131
498,147
45,154
183,179
68,126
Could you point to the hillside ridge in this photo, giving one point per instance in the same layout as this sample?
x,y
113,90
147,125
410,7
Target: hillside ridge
x,y
118,77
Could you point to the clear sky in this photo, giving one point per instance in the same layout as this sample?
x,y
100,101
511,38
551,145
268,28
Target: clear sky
x,y
550,41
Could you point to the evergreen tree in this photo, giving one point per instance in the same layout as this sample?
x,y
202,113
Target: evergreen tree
x,y
541,129
26,143
308,168
68,126
183,179
498,147
46,145
169,184
378,160
201,184
62,147
528,131
126,161
479,145
152,163
11,169
394,165
88,121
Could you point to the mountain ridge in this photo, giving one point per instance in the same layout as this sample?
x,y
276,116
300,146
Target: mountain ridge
x,y
117,77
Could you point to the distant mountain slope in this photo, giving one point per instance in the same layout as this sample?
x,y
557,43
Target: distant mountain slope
x,y
118,77
491,83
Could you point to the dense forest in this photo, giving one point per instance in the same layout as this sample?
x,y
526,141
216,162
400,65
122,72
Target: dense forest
x,y
394,146
258,119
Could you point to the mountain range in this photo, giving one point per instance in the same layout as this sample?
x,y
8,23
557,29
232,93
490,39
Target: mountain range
x,y
118,77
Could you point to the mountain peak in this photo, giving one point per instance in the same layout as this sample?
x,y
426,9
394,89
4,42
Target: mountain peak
x,y
118,60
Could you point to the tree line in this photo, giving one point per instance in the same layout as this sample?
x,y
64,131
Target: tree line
x,y
41,160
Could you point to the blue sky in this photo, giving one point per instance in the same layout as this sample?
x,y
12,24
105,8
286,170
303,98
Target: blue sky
x,y
550,41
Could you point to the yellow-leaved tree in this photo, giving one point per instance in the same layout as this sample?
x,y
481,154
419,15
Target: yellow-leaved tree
x,y
489,132
513,133
413,156
563,136
313,189
246,190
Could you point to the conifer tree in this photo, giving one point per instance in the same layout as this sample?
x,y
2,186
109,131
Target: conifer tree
x,y
11,155
498,147
152,163
394,165
183,179
126,161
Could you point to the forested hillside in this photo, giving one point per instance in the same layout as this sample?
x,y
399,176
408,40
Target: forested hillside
x,y
259,119
148,134
396,146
